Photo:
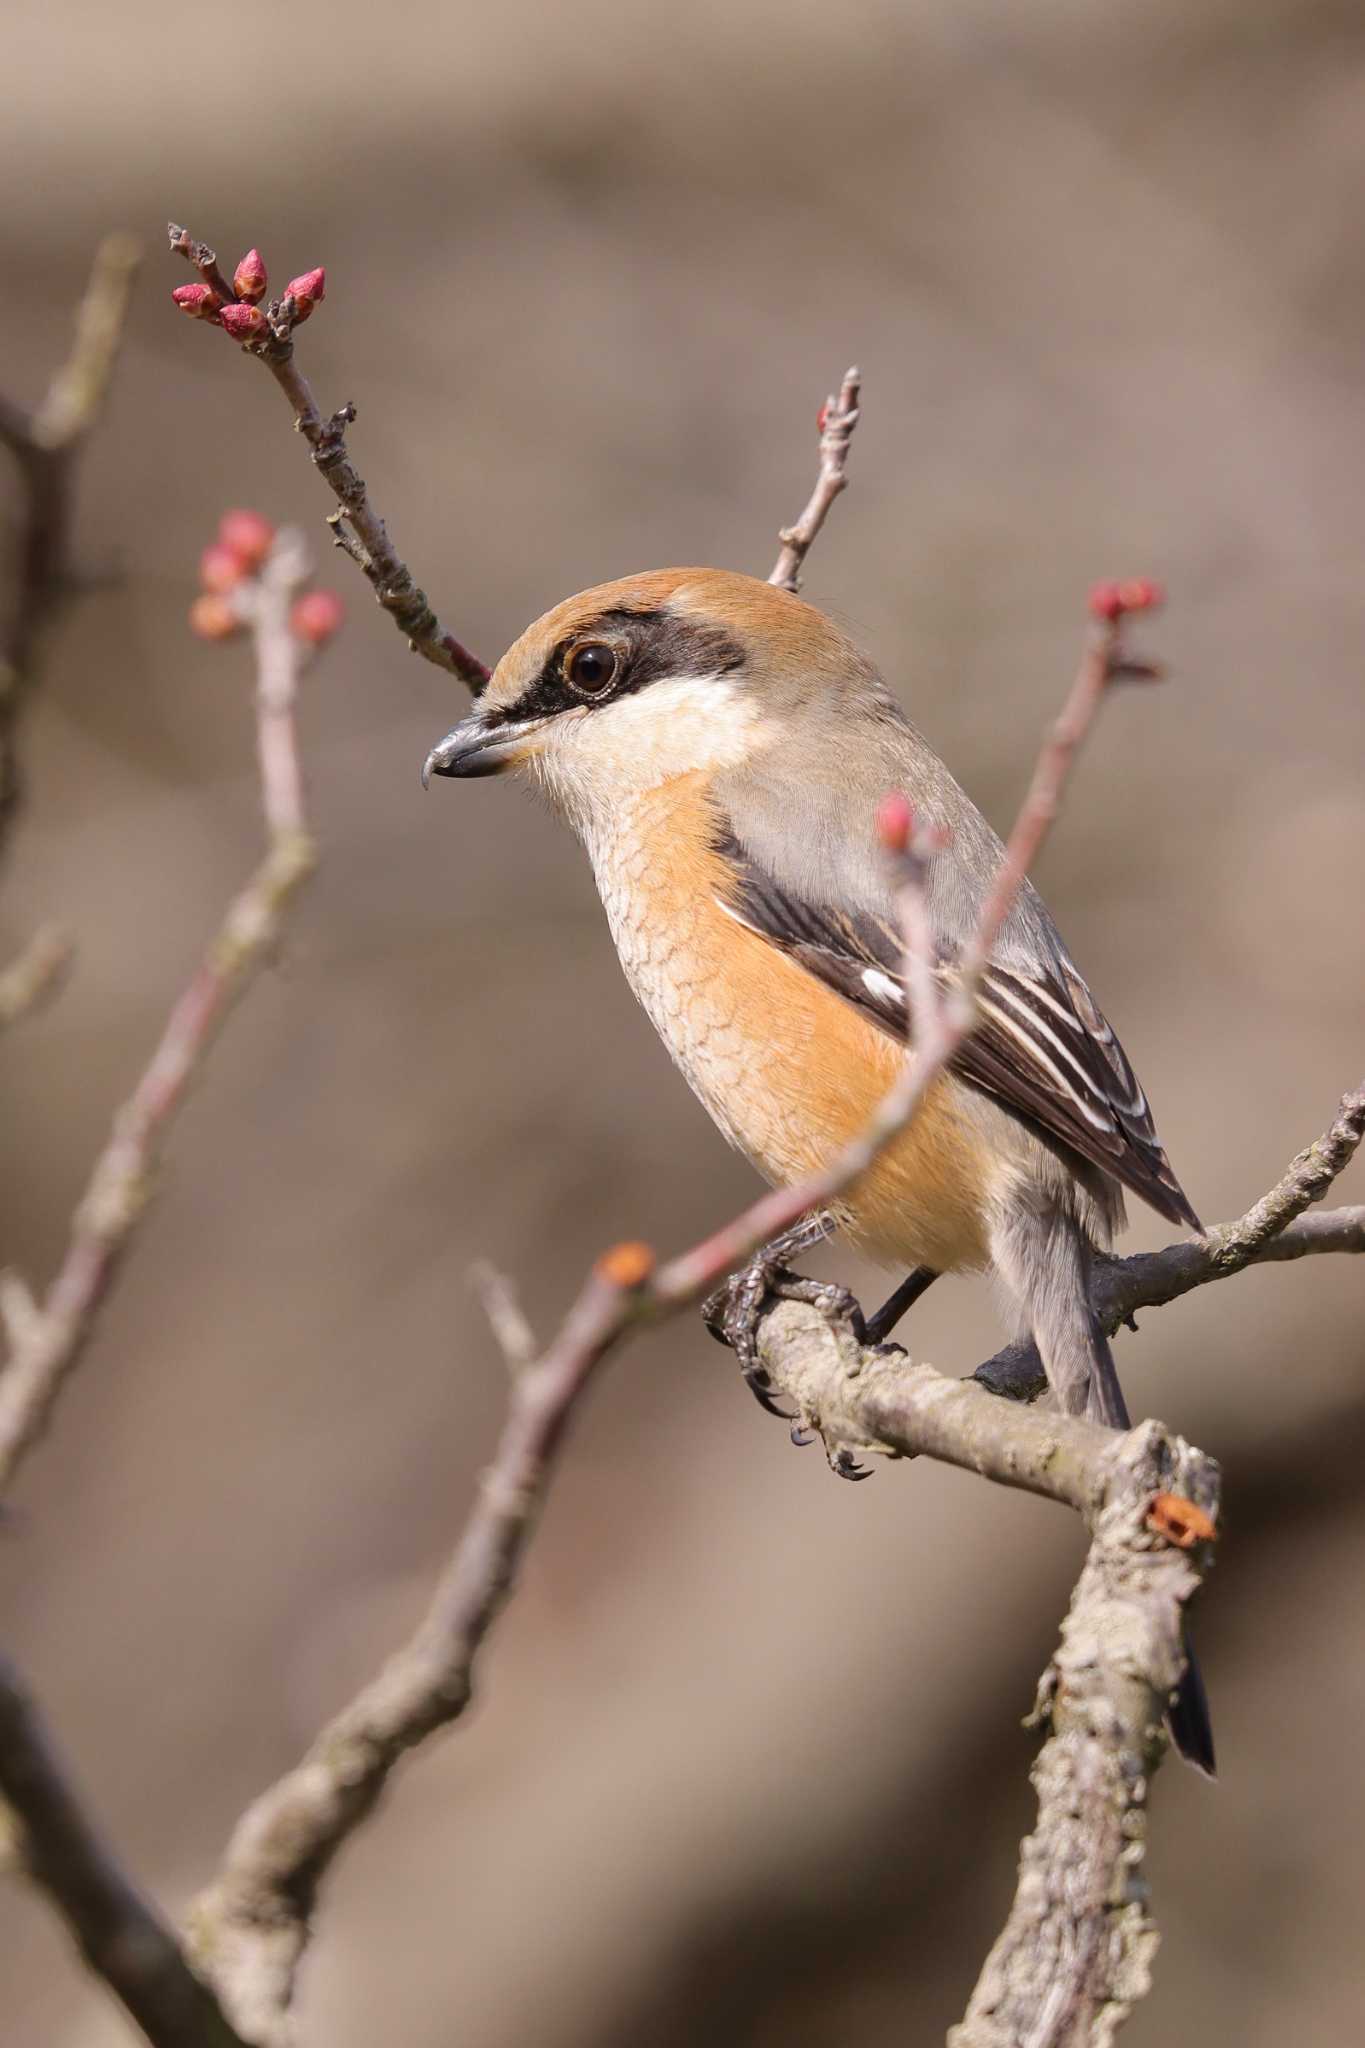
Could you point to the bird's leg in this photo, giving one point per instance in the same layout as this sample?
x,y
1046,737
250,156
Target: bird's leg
x,y
880,1325
732,1313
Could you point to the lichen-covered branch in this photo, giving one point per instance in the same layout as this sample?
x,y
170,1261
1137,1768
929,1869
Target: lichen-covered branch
x,y
45,1345
1076,1951
44,444
356,525
120,1934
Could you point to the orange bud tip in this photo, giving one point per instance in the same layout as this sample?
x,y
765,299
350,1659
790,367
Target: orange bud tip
x,y
626,1265
315,616
247,536
822,418
244,323
220,569
1180,1521
200,301
249,279
895,821
1141,594
308,290
213,618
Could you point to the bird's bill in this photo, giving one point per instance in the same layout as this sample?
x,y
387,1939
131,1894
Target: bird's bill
x,y
481,745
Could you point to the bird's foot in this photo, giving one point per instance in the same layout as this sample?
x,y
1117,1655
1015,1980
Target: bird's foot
x,y
733,1314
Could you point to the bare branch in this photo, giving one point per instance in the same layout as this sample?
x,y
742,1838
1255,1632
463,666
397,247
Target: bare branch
x,y
357,526
44,445
838,417
49,1346
248,1932
34,978
120,1934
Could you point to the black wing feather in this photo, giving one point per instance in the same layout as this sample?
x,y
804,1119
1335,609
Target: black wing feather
x,y
1041,1047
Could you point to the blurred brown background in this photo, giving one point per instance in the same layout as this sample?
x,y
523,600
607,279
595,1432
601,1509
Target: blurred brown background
x,y
746,1765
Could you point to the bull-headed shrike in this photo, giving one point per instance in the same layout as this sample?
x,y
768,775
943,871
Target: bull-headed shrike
x,y
721,748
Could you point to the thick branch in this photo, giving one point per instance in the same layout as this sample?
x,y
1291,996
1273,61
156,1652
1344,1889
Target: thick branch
x,y
357,526
120,1933
47,1345
1076,1951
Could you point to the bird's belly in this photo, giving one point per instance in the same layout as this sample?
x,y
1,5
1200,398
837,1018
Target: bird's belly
x,y
786,1068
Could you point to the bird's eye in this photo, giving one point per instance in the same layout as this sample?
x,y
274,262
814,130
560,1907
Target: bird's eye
x,y
590,668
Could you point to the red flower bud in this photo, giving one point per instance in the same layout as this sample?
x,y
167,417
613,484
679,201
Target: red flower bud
x,y
249,279
895,822
220,569
200,301
247,536
315,616
244,323
213,618
306,291
822,418
1112,600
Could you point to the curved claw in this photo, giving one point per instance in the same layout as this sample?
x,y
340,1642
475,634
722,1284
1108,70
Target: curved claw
x,y
802,1437
845,1466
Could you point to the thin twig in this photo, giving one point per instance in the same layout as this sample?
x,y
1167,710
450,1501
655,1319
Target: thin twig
x,y
44,444
357,526
506,1318
838,417
123,1176
120,1934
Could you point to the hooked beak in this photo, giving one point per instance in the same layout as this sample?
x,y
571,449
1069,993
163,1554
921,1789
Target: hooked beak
x,y
481,744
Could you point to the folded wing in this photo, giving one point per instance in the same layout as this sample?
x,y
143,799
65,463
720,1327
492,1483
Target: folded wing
x,y
1041,1047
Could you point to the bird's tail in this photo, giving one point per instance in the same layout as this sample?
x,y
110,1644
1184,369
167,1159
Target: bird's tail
x,y
1044,1256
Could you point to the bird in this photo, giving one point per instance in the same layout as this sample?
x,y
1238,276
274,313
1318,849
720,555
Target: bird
x,y
720,748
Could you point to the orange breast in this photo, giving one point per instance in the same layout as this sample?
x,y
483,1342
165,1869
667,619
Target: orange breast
x,y
786,1068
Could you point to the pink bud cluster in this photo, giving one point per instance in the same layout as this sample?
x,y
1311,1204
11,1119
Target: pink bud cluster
x,y
242,316
1111,600
235,557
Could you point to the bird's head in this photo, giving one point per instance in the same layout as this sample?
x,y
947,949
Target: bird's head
x,y
639,681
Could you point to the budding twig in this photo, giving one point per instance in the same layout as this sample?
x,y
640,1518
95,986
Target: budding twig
x,y
266,332
46,1347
